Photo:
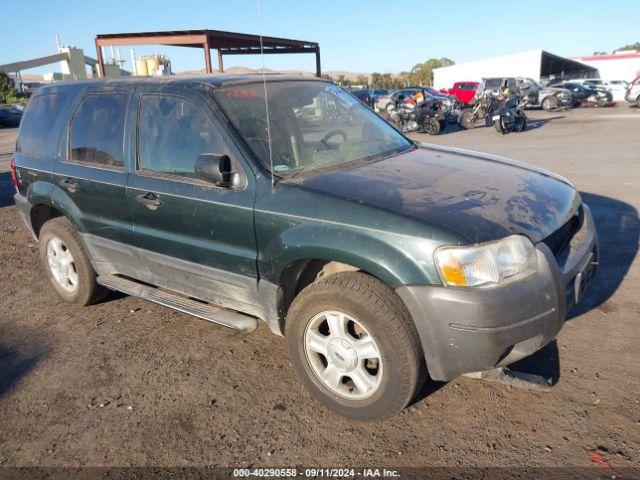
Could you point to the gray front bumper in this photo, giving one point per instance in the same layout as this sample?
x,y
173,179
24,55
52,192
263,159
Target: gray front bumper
x,y
466,330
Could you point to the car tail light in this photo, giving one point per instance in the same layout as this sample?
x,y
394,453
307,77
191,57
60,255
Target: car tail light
x,y
14,177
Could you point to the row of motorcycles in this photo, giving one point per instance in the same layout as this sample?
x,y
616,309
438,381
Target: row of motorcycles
x,y
427,114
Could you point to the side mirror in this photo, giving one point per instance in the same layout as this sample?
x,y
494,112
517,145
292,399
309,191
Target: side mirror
x,y
214,168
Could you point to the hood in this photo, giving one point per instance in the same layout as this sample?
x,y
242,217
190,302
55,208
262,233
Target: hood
x,y
476,196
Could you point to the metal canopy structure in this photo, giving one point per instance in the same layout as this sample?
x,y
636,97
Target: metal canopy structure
x,y
554,66
226,43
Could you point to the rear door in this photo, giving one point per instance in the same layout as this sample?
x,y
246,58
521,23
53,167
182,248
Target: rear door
x,y
90,179
193,237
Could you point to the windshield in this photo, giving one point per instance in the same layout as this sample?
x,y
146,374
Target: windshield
x,y
312,125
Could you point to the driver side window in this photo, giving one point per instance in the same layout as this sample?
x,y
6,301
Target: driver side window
x,y
172,133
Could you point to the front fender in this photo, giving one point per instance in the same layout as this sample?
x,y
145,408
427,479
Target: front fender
x,y
395,259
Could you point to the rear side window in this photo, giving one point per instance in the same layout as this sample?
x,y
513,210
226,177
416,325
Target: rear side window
x,y
172,133
97,130
37,123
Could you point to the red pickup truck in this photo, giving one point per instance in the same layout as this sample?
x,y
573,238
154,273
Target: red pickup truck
x,y
463,91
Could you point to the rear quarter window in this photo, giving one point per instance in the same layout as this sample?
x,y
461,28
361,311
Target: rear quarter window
x,y
37,123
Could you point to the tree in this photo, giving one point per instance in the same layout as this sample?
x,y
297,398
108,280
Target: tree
x,y
376,80
8,92
633,46
361,80
422,73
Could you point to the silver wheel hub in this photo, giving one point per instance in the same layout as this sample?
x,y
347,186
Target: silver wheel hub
x,y
343,355
62,265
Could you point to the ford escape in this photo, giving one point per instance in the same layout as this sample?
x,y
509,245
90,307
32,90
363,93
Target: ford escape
x,y
284,199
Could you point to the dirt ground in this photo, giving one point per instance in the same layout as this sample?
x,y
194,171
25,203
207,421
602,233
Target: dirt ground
x,y
130,383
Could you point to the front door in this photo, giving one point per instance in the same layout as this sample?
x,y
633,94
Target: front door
x,y
194,237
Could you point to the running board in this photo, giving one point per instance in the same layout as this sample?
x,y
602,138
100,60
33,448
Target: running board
x,y
206,311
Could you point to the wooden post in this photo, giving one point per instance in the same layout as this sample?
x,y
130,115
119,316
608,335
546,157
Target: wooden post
x,y
207,56
220,65
318,69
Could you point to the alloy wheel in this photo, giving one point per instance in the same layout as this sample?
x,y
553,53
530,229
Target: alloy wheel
x,y
343,355
62,265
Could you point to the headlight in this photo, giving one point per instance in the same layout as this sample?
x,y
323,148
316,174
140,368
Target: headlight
x,y
487,264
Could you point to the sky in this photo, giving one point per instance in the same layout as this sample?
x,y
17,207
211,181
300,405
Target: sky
x,y
362,36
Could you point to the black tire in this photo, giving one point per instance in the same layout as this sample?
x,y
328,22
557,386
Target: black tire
x,y
638,101
431,126
384,316
468,120
522,123
499,126
550,103
87,290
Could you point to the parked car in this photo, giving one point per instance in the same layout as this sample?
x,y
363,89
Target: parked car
x,y
532,93
369,96
633,92
387,102
584,94
378,259
10,116
376,93
616,87
463,91
364,96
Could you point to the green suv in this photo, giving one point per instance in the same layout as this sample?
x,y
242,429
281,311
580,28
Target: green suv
x,y
284,199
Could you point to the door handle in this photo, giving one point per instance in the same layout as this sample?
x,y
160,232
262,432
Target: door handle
x,y
150,200
69,185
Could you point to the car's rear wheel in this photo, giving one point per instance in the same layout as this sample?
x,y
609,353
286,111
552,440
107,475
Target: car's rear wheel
x,y
354,346
638,101
67,264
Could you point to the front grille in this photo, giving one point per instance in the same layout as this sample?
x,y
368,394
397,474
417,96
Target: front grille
x,y
558,240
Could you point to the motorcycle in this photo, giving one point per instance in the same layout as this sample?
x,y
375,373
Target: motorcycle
x,y
481,108
426,117
509,116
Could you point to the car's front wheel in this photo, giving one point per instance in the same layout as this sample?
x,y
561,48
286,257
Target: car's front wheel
x,y
550,103
354,346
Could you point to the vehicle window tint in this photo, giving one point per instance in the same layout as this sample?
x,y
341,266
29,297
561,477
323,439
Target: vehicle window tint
x,y
173,132
37,123
97,129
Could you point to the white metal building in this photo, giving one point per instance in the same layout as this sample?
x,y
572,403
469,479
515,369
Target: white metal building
x,y
624,65
536,64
